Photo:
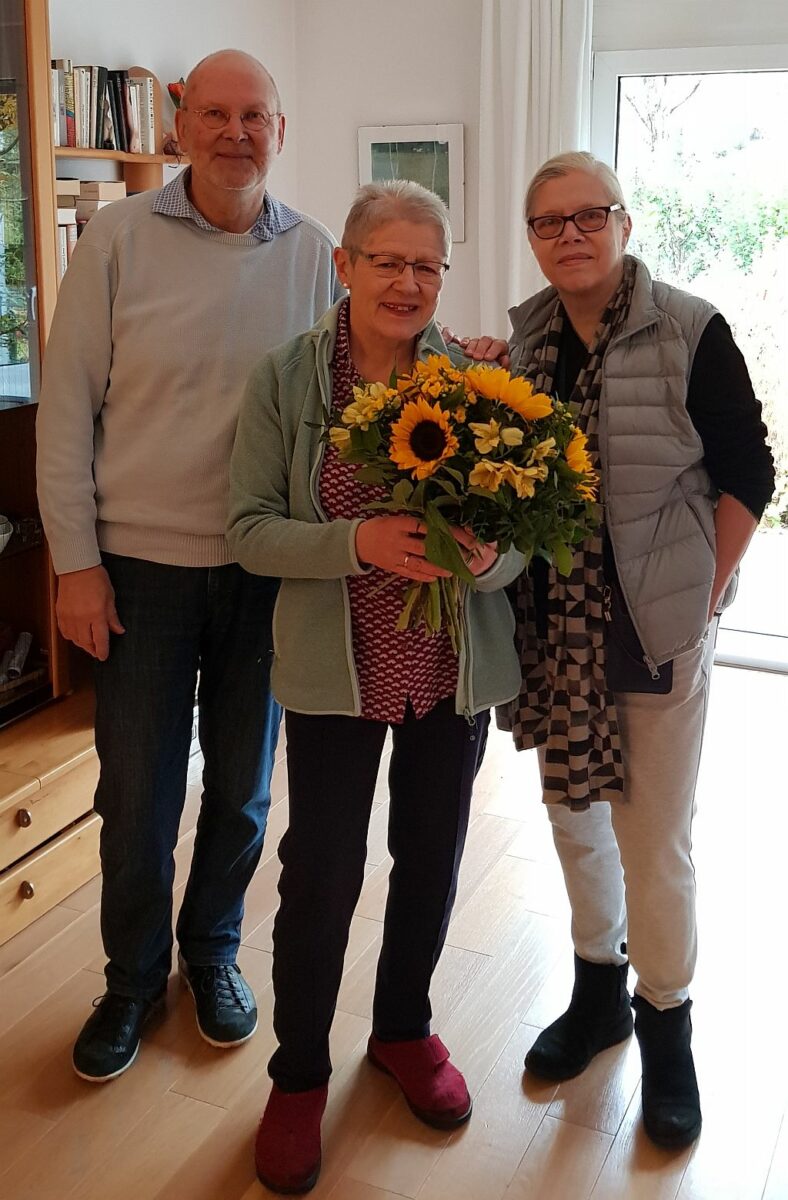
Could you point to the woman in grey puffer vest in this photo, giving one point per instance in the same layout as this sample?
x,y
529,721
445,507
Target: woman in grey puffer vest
x,y
617,659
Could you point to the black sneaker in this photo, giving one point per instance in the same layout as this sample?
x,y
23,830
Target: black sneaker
x,y
225,1004
109,1040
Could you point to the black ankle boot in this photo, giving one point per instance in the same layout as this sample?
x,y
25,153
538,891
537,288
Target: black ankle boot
x,y
599,1015
671,1103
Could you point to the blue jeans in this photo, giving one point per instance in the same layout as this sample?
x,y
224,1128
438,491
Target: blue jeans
x,y
181,623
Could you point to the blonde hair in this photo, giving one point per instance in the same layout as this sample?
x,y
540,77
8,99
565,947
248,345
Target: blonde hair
x,y
391,200
564,164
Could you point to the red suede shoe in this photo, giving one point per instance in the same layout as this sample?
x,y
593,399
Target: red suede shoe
x,y
287,1147
434,1089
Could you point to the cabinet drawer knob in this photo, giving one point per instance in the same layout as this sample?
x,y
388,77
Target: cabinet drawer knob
x,y
27,890
24,817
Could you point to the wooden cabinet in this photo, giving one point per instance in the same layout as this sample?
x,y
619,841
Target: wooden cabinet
x,y
48,831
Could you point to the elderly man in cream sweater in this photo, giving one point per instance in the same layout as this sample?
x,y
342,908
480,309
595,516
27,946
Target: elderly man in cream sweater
x,y
170,298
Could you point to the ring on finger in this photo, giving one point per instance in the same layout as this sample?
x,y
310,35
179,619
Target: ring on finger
x,y
406,560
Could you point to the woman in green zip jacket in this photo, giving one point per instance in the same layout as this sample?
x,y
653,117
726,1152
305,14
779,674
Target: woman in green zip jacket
x,y
345,675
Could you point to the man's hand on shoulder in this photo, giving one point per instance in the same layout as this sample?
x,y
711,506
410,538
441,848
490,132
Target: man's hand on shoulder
x,y
86,613
482,349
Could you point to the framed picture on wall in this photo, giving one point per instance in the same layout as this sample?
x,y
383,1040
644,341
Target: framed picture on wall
x,y
431,155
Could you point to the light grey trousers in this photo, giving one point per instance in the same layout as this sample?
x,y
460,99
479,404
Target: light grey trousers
x,y
628,865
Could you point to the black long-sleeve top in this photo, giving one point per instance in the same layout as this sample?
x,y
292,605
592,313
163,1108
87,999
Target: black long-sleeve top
x,y
721,405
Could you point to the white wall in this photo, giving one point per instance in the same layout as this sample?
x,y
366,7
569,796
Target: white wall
x,y
665,24
374,62
170,36
341,64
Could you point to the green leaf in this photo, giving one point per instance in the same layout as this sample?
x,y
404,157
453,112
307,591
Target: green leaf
x,y
370,475
562,557
402,492
441,547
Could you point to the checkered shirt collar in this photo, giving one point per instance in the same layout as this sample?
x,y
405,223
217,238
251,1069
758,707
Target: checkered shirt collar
x,y
276,217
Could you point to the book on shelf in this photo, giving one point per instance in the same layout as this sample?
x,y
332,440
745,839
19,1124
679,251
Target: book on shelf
x,y
67,187
85,209
116,81
97,108
102,189
71,131
66,216
54,110
82,103
147,114
62,251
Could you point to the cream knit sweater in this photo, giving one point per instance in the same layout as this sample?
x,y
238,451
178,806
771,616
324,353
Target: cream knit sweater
x,y
157,327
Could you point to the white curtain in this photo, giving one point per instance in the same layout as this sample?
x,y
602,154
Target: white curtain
x,y
535,102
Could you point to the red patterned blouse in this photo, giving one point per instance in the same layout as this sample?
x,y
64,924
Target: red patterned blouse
x,y
394,666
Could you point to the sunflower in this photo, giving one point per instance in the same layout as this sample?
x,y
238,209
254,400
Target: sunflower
x,y
518,394
578,459
422,438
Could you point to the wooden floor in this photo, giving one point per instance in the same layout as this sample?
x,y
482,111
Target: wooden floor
x,y
180,1124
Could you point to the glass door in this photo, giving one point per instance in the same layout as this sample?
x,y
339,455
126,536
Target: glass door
x,y
19,335
698,138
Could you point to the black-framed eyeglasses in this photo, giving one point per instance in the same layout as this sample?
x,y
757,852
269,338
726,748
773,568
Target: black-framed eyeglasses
x,y
389,266
587,220
217,118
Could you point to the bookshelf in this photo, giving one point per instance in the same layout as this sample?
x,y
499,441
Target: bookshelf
x,y
140,171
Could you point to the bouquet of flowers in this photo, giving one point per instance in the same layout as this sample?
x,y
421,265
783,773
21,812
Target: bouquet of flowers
x,y
473,447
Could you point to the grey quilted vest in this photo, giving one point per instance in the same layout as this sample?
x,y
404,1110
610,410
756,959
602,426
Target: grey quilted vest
x,y
659,499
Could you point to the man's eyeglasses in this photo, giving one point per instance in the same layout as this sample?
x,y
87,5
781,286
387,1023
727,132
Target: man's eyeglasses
x,y
389,266
588,220
217,118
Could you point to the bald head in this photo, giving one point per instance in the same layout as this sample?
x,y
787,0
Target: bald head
x,y
218,65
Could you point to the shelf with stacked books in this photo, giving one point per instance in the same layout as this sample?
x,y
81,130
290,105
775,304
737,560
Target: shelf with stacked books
x,y
110,116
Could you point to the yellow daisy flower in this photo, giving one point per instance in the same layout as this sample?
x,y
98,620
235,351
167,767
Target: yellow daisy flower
x,y
545,449
491,434
487,474
339,438
422,438
486,435
438,366
522,479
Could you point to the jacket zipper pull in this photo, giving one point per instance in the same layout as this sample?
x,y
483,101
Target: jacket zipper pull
x,y
607,602
652,666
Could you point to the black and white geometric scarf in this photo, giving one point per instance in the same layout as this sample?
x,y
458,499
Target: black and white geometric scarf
x,y
564,703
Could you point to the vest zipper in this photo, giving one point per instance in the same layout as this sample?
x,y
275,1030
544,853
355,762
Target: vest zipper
x,y
652,666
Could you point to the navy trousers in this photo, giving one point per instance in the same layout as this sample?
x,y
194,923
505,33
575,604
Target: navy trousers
x,y
332,766
183,624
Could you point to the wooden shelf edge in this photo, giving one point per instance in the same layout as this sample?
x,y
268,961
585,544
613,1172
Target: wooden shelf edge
x,y
118,156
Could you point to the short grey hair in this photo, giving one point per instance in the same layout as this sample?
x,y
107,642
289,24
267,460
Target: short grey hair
x,y
564,164
394,200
